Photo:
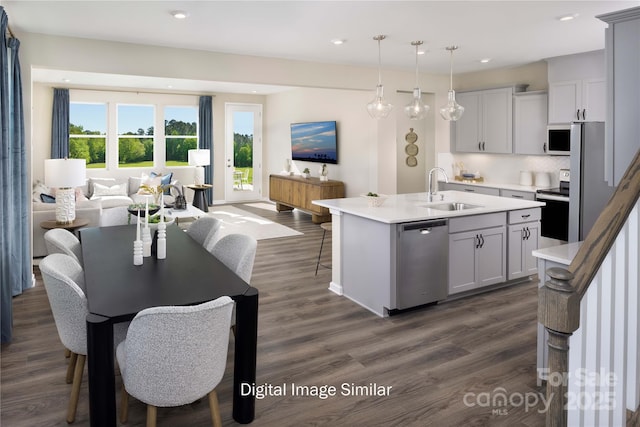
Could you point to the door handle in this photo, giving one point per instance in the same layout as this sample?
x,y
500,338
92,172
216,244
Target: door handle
x,y
481,241
483,149
479,146
477,241
578,114
584,114
544,147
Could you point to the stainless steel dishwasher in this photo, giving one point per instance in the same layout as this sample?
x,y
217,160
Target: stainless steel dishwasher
x,y
423,263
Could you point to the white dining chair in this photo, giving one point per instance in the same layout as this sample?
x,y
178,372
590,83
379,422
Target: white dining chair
x,y
175,355
204,230
64,283
238,252
61,241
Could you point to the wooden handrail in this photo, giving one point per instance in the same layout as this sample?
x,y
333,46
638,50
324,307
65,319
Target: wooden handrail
x,y
559,298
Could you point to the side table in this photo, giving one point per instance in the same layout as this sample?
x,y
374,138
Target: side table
x,y
199,195
77,223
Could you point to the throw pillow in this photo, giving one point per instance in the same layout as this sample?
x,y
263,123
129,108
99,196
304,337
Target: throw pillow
x,y
80,197
100,190
38,189
164,179
45,198
102,181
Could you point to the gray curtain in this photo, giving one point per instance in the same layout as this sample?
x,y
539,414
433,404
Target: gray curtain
x,y
60,124
205,131
15,264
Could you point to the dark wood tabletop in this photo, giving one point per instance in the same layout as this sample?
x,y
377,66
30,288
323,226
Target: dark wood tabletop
x,y
117,290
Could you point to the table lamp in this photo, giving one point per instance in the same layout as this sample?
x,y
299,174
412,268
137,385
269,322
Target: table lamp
x,y
199,159
65,174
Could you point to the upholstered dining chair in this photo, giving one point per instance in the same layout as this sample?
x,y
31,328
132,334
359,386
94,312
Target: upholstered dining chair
x,y
238,252
203,230
64,282
61,241
173,356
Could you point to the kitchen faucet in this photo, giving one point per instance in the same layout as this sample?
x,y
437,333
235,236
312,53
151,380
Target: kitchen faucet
x,y
433,184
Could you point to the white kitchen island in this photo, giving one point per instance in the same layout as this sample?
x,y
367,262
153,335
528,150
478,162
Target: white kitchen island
x,y
488,243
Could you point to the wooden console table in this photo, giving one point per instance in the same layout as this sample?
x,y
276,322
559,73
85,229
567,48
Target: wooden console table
x,y
291,192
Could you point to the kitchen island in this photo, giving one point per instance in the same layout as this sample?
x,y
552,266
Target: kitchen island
x,y
410,252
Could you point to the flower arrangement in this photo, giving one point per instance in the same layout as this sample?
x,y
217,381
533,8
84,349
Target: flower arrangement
x,y
152,190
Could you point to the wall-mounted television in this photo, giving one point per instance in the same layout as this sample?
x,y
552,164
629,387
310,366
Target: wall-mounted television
x,y
314,142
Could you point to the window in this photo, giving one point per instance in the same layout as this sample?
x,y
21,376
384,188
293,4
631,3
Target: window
x,y
88,133
181,134
135,135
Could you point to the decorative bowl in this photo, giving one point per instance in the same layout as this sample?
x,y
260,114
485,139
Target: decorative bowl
x,y
375,201
140,207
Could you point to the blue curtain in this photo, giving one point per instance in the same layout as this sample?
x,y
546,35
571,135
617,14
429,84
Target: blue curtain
x,y
60,124
205,131
15,264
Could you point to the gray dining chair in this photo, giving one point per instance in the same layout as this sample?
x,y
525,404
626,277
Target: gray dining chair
x,y
204,230
61,241
238,252
175,355
64,283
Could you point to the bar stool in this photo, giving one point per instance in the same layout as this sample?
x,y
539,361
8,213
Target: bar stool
x,y
326,226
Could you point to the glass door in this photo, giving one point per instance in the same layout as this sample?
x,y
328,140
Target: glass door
x,y
243,159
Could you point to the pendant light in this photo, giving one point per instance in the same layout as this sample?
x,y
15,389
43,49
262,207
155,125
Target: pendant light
x,y
378,108
416,109
452,111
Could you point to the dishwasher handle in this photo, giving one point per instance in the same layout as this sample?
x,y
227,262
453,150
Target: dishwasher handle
x,y
424,227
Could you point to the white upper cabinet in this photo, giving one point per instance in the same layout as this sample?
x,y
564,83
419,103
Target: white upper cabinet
x,y
487,123
529,122
577,88
577,101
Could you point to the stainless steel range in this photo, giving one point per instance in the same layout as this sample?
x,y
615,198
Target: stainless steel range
x,y
554,223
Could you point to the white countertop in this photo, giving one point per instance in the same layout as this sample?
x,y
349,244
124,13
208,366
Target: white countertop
x,y
562,254
414,207
515,187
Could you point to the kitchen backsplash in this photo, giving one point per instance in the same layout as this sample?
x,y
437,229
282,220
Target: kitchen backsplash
x,y
504,169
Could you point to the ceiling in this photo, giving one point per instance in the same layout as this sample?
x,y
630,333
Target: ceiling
x,y
510,33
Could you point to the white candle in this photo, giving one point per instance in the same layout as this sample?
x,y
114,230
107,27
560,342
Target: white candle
x,y
162,207
138,226
146,213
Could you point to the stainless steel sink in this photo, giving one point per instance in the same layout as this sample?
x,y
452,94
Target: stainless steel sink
x,y
454,206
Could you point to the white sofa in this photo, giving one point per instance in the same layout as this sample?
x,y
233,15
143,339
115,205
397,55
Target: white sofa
x,y
102,205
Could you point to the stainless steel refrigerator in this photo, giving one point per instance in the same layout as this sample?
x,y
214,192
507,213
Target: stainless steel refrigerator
x,y
588,191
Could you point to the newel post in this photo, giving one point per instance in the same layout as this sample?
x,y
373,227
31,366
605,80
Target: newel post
x,y
559,312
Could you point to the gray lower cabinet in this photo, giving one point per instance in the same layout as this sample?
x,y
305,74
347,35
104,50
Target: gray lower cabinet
x,y
524,236
477,251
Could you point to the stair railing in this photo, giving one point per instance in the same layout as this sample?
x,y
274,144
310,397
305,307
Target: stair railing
x,y
559,298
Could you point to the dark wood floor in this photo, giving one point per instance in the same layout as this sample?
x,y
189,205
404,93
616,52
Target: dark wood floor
x,y
445,364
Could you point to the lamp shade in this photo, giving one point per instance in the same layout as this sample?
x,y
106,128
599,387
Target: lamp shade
x,y
199,158
64,173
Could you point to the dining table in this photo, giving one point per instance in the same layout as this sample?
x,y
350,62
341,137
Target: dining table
x,y
117,290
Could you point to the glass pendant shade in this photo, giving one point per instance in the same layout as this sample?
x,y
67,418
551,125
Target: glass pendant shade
x,y
378,108
416,109
452,111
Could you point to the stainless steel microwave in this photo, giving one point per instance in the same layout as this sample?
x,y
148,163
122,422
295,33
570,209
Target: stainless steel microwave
x,y
558,140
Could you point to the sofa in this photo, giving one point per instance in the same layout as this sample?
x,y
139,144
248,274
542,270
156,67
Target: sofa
x,y
101,201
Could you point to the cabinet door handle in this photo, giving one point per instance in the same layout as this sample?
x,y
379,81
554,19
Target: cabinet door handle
x,y
544,147
470,190
483,149
477,241
584,115
578,114
481,241
479,146
526,216
517,196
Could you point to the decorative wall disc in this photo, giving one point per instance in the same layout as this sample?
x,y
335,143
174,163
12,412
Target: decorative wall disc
x,y
411,137
412,161
411,149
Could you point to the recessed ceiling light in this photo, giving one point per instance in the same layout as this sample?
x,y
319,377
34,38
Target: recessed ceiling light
x,y
338,42
179,14
66,80
421,52
485,60
169,87
568,17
